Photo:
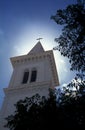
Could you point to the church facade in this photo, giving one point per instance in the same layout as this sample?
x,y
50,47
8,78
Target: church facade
x,y
33,73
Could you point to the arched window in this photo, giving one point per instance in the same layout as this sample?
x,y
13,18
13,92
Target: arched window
x,y
33,75
25,77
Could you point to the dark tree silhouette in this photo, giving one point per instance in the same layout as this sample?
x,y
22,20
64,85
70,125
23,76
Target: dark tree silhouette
x,y
71,42
33,113
44,113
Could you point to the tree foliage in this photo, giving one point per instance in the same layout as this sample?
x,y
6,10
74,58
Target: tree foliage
x,y
71,43
44,113
72,91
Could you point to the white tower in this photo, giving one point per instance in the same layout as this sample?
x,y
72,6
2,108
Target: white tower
x,y
32,73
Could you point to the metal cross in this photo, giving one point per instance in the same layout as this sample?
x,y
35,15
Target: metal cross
x,y
39,39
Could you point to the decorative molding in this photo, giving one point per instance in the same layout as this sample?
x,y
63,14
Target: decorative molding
x,y
26,58
29,86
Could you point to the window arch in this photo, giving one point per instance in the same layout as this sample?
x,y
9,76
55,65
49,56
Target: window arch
x,y
33,75
25,76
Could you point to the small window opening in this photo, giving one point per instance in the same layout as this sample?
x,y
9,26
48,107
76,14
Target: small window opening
x,y
33,76
25,77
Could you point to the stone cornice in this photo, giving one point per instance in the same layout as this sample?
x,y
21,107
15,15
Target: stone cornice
x,y
28,86
30,57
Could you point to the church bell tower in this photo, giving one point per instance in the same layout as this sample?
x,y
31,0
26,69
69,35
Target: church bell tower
x,y
33,73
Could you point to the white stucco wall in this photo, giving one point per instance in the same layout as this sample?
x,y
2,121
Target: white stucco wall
x,y
46,78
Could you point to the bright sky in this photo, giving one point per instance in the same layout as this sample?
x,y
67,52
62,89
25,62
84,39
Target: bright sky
x,y
21,23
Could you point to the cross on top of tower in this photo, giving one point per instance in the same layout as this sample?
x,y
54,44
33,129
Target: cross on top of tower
x,y
39,39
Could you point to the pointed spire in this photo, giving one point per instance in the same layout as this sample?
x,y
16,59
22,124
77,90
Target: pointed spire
x,y
38,48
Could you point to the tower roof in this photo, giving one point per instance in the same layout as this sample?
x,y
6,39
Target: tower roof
x,y
38,48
